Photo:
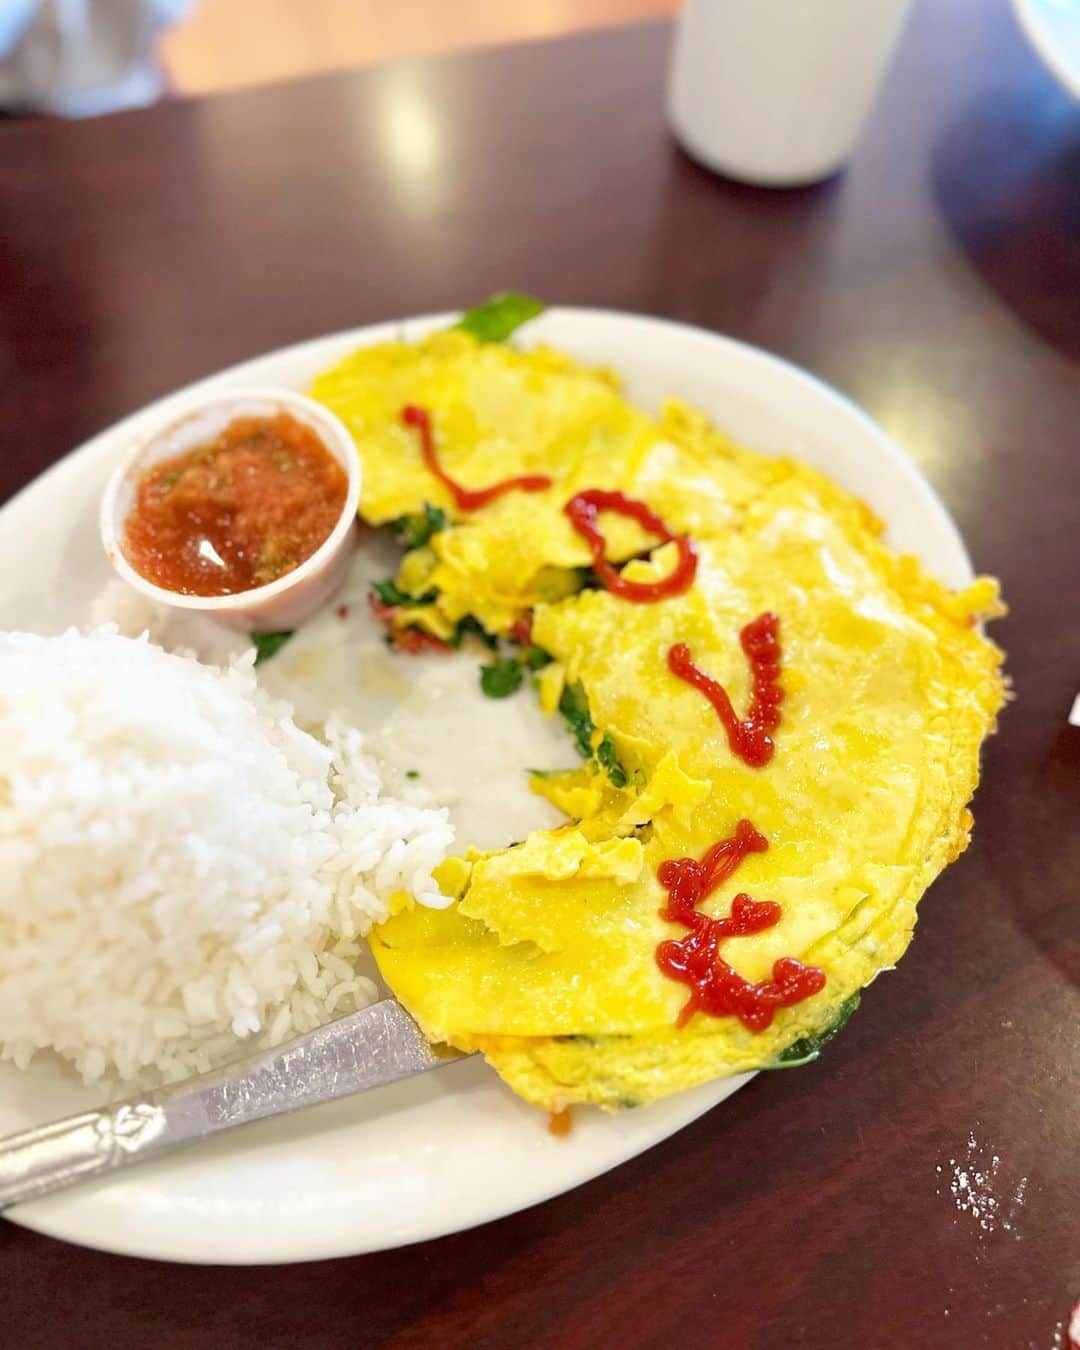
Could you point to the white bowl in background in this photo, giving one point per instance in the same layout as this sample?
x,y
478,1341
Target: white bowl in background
x,y
1053,29
289,600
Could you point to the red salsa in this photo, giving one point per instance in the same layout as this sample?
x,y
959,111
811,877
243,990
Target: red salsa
x,y
466,499
749,738
238,512
583,511
695,960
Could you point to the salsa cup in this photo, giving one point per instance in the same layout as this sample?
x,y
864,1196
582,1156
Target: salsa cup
x,y
292,598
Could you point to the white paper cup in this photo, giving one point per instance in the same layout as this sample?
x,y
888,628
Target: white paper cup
x,y
776,92
292,598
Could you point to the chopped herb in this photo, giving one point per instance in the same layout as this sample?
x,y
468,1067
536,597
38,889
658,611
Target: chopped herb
x,y
417,529
389,594
608,759
471,627
627,1103
501,678
412,773
168,480
268,644
574,707
808,1048
497,318
534,657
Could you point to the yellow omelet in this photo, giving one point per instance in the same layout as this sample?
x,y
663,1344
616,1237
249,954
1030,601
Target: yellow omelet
x,y
546,962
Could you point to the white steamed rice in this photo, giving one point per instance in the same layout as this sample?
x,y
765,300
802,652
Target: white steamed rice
x,y
180,864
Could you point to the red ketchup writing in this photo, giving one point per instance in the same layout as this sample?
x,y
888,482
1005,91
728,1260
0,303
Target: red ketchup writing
x,y
695,960
583,511
750,739
467,499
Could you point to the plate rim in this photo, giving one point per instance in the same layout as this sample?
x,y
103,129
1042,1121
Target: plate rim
x,y
697,1102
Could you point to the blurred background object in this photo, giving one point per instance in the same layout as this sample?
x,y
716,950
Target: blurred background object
x,y
78,58
776,92
82,57
1053,29
230,44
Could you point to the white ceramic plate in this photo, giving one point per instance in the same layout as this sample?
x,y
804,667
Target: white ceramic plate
x,y
1053,29
452,1149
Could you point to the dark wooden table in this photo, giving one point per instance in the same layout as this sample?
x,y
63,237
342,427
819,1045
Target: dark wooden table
x,y
938,283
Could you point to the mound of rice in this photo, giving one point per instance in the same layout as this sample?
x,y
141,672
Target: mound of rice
x,y
180,864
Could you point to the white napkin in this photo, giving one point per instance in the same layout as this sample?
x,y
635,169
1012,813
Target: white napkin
x,y
79,58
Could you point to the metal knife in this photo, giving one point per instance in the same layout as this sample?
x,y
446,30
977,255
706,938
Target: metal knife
x,y
367,1049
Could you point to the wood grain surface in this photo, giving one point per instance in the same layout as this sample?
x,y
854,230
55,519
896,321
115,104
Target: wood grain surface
x,y
937,283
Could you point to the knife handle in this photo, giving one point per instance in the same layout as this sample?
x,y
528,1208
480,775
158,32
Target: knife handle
x,y
367,1049
51,1157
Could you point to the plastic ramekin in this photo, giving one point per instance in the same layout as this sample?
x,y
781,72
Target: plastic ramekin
x,y
286,602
